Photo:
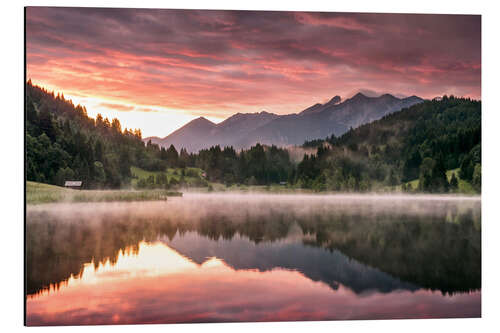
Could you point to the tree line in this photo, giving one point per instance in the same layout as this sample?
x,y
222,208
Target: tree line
x,y
421,142
64,143
258,165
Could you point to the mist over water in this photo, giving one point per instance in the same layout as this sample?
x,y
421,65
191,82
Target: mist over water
x,y
349,251
233,205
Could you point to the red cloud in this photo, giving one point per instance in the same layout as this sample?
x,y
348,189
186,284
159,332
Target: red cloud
x,y
242,61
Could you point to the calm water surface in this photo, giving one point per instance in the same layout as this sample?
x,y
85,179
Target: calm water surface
x,y
217,258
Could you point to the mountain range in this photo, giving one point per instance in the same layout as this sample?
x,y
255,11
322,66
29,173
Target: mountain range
x,y
243,130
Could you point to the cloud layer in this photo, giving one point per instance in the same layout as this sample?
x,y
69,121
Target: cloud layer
x,y
221,62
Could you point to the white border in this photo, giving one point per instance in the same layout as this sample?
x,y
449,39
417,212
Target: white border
x,y
12,162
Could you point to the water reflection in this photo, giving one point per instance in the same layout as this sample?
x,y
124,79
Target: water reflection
x,y
232,258
332,268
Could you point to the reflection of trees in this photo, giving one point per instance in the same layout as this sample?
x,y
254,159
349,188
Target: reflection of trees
x,y
269,227
440,249
427,252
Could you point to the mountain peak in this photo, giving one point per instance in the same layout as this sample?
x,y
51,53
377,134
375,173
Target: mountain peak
x,y
388,96
414,97
201,121
358,97
335,100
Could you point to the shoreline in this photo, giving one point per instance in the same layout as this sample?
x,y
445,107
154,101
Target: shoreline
x,y
38,193
128,196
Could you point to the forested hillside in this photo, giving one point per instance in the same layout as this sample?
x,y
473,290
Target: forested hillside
x,y
63,143
421,142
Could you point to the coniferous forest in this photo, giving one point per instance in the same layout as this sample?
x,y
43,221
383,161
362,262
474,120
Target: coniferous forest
x,y
63,143
421,142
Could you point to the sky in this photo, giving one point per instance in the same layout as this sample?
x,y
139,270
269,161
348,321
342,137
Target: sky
x,y
157,69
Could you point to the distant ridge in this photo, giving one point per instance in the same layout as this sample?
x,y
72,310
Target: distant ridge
x,y
242,130
320,107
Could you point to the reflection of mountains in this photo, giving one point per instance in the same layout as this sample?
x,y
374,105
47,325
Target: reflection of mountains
x,y
431,245
317,264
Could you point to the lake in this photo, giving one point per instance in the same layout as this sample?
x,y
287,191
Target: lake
x,y
249,257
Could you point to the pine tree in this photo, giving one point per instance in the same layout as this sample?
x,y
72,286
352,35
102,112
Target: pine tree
x,y
439,179
453,182
172,156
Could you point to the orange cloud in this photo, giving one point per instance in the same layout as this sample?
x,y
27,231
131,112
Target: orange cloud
x,y
223,62
119,107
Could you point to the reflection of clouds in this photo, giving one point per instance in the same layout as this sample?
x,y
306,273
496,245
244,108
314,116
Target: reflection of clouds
x,y
222,257
216,292
260,217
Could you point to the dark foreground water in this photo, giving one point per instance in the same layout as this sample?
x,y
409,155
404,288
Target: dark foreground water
x,y
216,258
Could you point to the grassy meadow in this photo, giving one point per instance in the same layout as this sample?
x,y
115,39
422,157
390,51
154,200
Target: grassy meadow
x,y
38,193
464,187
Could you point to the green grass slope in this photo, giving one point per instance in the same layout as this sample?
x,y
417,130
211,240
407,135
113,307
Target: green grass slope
x,y
39,193
464,187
